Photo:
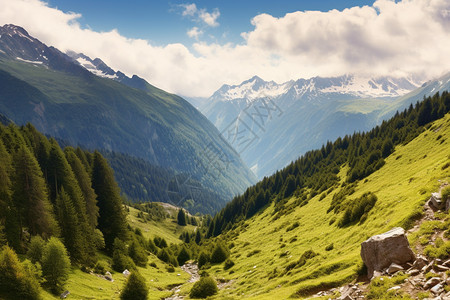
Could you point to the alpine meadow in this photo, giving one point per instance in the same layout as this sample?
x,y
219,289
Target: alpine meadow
x,y
139,161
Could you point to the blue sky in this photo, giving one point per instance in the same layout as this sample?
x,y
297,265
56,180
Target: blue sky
x,y
194,47
162,23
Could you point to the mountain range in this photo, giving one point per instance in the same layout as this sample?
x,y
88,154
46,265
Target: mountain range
x,y
306,113
64,97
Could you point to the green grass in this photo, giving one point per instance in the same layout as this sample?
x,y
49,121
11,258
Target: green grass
x,y
168,228
402,185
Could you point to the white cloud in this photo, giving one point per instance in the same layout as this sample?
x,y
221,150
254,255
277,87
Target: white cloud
x,y
194,32
209,18
200,15
411,37
189,9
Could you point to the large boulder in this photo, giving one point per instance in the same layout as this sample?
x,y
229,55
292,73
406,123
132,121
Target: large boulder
x,y
380,251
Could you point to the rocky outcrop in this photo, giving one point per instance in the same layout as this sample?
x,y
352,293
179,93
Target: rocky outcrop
x,y
380,251
436,202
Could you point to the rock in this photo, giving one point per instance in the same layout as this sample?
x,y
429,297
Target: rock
x,y
380,251
64,295
420,262
436,201
108,276
440,268
413,272
394,268
432,282
126,273
394,288
437,289
427,268
447,263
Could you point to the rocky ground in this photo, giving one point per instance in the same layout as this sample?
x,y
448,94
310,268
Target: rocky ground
x,y
423,278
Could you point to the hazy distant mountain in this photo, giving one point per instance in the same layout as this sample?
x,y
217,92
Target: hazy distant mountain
x,y
74,99
285,120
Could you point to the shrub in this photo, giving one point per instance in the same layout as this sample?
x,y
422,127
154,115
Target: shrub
x,y
219,254
135,288
101,267
16,281
137,254
253,252
55,265
121,262
329,247
153,265
183,256
203,288
358,209
36,249
445,193
203,259
228,264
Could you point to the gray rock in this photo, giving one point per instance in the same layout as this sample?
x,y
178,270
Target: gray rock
x,y
427,268
380,251
394,288
437,289
432,282
436,201
394,268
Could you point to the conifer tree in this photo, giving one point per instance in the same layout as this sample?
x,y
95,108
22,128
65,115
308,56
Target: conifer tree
x,y
135,288
181,218
30,195
70,227
84,182
112,219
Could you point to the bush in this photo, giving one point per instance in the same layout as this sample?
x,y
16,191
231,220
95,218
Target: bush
x,y
135,288
121,262
329,247
219,254
36,249
358,209
203,259
16,281
203,288
137,254
293,226
446,193
228,264
55,265
183,256
101,267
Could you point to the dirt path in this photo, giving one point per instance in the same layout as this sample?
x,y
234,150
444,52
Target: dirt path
x,y
191,269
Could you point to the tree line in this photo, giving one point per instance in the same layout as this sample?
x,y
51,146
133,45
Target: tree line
x,y
316,171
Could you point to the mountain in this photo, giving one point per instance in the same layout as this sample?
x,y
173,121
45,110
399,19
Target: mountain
x,y
304,114
62,98
299,231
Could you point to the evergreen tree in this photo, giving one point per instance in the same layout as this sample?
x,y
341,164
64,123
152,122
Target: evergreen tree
x,y
181,218
112,219
137,254
55,265
30,195
183,256
36,249
84,182
16,282
198,237
70,227
219,254
135,288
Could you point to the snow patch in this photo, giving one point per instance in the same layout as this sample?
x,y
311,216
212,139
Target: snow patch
x,y
29,61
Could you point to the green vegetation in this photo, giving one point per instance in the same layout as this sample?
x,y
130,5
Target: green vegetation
x,y
135,288
203,288
55,265
163,130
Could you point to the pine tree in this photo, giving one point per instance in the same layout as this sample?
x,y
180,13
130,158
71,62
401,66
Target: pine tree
x,y
181,218
84,182
198,237
112,219
70,227
135,288
60,175
30,195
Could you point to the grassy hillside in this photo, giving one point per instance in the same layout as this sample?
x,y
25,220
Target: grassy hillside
x,y
265,248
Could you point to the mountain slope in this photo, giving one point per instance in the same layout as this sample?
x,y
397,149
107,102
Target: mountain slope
x,y
61,98
295,246
303,114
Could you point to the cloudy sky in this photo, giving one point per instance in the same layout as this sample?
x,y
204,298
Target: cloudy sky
x,y
191,48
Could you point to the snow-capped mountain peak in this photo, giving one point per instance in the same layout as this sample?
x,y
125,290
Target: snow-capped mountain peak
x,y
349,85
